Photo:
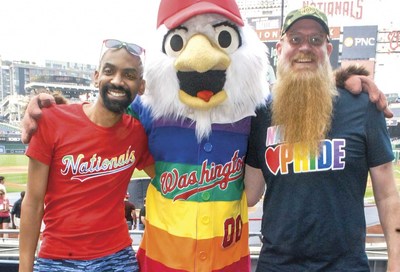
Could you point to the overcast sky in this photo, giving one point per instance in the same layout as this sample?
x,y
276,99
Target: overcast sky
x,y
71,30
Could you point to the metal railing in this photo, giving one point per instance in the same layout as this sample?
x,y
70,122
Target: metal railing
x,y
9,249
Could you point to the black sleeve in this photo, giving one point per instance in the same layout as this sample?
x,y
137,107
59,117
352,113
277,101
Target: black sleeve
x,y
258,124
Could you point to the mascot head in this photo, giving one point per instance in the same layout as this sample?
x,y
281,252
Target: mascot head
x,y
211,67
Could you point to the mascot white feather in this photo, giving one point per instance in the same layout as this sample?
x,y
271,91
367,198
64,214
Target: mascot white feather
x,y
203,86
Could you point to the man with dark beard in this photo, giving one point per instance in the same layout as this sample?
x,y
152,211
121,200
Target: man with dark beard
x,y
313,147
80,163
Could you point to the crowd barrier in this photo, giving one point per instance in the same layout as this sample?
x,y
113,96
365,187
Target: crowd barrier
x,y
9,250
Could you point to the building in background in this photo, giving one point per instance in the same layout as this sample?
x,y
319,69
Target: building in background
x,y
10,140
19,79
71,87
22,73
4,81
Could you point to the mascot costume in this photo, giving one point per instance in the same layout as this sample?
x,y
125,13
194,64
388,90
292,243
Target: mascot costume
x,y
202,89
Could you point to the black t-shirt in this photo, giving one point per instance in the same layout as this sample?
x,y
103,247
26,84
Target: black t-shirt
x,y
142,213
129,207
313,210
16,209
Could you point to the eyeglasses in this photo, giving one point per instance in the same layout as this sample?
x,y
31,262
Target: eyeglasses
x,y
315,39
131,47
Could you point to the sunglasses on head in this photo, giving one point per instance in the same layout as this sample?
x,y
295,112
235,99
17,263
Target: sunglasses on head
x,y
132,48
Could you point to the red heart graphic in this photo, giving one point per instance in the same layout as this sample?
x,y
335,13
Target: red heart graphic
x,y
272,158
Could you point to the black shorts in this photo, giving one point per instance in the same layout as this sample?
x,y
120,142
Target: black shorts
x,y
5,220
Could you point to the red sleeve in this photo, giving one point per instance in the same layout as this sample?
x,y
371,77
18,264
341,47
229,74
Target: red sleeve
x,y
41,145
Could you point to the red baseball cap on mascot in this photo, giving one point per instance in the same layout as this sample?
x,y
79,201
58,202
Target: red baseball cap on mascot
x,y
172,13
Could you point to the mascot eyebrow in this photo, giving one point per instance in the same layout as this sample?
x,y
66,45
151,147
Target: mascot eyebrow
x,y
168,33
235,27
181,27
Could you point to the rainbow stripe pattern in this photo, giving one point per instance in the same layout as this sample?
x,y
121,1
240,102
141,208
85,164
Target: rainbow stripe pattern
x,y
196,209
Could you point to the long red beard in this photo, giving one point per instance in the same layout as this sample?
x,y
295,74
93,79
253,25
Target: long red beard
x,y
303,103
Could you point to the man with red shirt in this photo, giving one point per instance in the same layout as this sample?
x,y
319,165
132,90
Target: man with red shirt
x,y
80,163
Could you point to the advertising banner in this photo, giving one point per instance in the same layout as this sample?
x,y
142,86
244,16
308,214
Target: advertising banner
x,y
359,42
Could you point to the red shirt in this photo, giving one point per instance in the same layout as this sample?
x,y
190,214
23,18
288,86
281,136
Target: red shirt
x,y
3,202
90,168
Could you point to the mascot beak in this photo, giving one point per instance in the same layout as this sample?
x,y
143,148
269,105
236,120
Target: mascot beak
x,y
201,72
199,55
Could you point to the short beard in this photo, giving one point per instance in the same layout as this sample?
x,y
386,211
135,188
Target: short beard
x,y
116,106
303,104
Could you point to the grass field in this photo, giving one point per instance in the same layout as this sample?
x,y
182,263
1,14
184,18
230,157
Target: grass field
x,y
15,167
13,160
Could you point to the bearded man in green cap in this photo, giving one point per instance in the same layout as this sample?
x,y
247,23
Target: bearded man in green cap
x,y
313,147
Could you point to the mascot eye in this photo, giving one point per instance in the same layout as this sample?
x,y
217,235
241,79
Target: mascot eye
x,y
228,38
174,42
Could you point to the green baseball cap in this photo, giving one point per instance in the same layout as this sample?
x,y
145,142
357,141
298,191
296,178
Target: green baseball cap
x,y
309,12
